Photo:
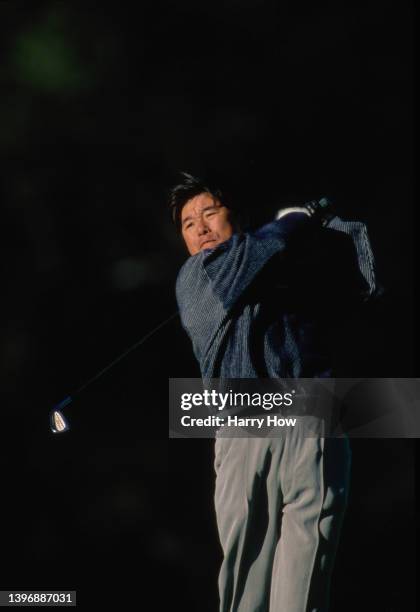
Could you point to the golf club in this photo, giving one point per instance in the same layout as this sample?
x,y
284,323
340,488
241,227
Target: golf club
x,y
59,423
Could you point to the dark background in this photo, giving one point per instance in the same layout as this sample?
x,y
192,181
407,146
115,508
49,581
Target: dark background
x,y
100,107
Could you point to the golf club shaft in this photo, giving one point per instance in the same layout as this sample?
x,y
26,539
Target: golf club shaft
x,y
58,421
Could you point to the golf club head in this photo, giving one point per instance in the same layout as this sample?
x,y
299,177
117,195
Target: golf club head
x,y
58,422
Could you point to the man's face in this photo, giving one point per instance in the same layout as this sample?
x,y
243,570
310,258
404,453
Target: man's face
x,y
205,223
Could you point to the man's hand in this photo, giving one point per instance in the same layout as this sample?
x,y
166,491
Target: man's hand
x,y
292,209
320,210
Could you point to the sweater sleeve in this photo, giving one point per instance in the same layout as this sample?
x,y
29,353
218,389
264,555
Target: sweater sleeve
x,y
234,265
327,266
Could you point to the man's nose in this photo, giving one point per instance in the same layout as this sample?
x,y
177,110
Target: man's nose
x,y
202,227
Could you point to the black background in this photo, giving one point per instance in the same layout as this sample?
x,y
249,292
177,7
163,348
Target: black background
x,y
100,107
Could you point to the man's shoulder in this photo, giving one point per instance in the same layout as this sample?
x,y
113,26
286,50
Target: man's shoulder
x,y
190,265
190,274
196,265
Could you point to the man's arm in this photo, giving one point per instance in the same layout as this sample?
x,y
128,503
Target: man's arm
x,y
234,265
321,254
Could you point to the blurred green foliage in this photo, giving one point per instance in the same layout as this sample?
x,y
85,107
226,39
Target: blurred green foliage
x,y
45,57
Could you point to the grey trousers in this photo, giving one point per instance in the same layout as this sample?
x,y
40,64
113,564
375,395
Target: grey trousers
x,y
279,508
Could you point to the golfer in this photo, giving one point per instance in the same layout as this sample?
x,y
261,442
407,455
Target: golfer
x,y
279,501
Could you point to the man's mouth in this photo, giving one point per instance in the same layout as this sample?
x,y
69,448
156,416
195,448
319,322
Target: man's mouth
x,y
209,240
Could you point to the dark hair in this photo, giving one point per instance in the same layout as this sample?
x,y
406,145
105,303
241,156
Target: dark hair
x,y
189,187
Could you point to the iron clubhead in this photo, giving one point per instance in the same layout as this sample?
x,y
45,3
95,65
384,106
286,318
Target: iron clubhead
x,y
58,422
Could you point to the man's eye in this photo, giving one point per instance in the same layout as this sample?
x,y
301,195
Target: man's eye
x,y
210,213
